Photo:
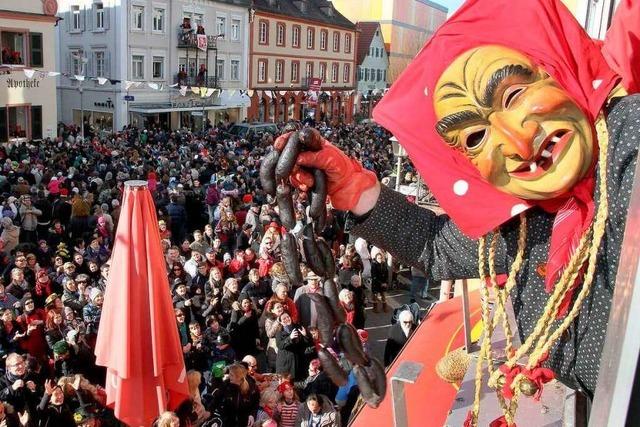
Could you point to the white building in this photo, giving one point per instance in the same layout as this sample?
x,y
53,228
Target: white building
x,y
373,65
595,15
142,41
27,42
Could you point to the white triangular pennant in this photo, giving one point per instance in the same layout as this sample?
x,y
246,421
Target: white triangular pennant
x,y
183,90
127,85
53,73
79,77
268,94
29,72
102,80
250,92
174,85
210,92
195,90
153,86
282,92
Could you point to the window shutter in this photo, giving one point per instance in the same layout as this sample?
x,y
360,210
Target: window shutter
x,y
90,16
36,122
106,16
35,44
3,125
107,64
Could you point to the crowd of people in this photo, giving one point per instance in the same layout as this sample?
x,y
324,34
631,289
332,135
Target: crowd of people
x,y
248,335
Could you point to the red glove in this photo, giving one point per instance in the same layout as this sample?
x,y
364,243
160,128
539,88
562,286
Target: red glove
x,y
346,178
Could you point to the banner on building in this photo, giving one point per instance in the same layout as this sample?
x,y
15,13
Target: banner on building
x,y
315,84
202,42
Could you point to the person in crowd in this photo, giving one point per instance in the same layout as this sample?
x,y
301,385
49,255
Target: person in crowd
x,y
293,344
359,301
379,282
317,411
243,326
316,382
239,398
398,336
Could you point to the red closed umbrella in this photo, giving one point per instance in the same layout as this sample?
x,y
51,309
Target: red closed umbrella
x,y
138,339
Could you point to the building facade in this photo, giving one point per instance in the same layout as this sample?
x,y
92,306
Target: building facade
x,y
372,65
140,47
27,37
406,25
594,15
302,61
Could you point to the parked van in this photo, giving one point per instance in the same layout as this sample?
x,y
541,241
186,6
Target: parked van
x,y
247,130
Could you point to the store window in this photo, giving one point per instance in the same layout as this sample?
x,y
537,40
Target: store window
x,y
14,47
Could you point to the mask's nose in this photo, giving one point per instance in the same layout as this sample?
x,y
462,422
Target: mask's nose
x,y
517,136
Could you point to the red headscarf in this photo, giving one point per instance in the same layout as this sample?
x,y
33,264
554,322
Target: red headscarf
x,y
546,32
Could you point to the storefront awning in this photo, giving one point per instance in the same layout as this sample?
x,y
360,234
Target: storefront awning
x,y
227,99
167,107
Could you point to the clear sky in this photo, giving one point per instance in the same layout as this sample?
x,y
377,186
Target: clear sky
x,y
452,5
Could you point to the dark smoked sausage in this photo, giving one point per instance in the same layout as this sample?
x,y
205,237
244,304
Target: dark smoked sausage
x,y
268,172
291,259
311,252
333,369
285,205
288,158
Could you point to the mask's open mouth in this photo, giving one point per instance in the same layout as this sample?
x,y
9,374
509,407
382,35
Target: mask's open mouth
x,y
548,153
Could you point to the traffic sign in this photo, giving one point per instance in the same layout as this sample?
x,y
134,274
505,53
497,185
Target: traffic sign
x,y
129,97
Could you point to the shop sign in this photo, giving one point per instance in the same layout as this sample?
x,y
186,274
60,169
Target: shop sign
x,y
106,104
192,103
22,84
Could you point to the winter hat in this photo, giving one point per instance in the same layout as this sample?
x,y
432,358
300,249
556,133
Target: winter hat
x,y
61,347
94,293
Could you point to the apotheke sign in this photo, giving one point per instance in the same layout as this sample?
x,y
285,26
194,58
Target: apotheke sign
x,y
22,84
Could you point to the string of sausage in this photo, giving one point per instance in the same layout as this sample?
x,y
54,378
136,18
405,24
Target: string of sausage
x,y
275,169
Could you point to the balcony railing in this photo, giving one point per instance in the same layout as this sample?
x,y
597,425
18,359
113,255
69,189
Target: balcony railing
x,y
209,81
190,39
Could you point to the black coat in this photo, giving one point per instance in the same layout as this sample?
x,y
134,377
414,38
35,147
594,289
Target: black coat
x,y
291,356
244,333
395,342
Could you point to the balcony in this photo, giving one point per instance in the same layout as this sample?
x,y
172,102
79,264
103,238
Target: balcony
x,y
190,40
209,81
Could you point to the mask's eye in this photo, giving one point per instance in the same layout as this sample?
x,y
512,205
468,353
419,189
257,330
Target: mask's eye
x,y
474,139
511,94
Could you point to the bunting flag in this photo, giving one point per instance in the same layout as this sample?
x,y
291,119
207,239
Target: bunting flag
x,y
232,92
195,89
250,92
282,92
53,73
29,72
127,85
267,94
183,90
210,92
79,77
153,86
174,85
102,80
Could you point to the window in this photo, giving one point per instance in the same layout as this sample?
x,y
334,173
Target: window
x,y
18,122
197,19
384,75
346,73
360,74
264,32
235,29
279,70
295,36
235,69
347,43
158,67
366,74
76,65
323,39
99,16
221,26
13,47
309,68
336,41
335,72
379,75
35,43
295,71
98,60
36,122
371,51
311,35
262,70
280,28
323,71
220,69
158,20
76,24
137,67
137,17
372,73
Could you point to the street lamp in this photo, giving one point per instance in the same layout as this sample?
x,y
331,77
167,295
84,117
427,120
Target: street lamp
x,y
215,49
400,153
